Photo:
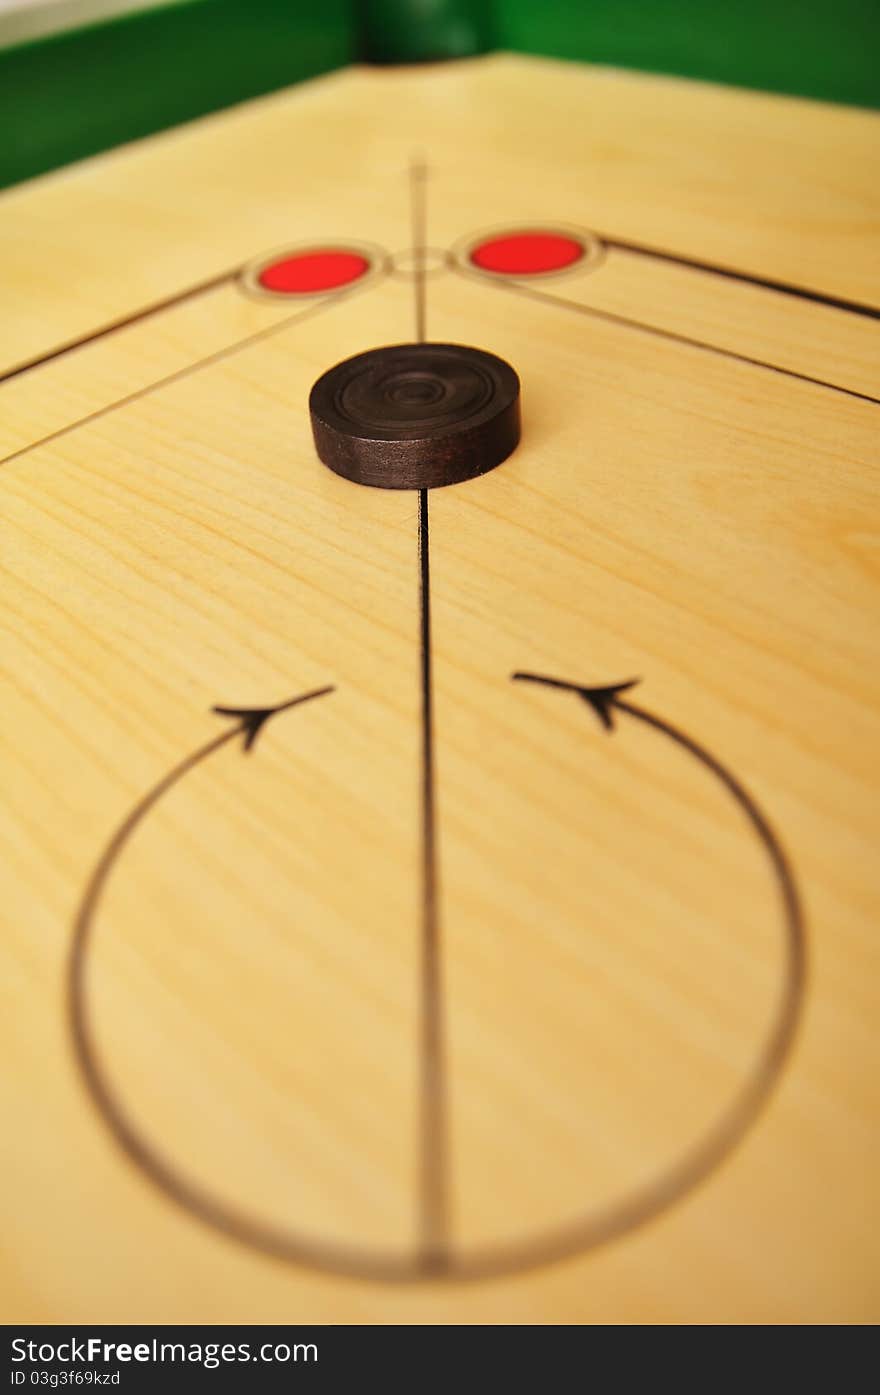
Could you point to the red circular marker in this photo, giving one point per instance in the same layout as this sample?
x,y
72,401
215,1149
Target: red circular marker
x,y
308,273
527,253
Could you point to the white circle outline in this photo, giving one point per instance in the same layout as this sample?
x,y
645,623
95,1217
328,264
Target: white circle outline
x,y
248,279
594,250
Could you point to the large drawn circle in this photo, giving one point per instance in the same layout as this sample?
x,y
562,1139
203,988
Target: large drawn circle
x,y
586,1232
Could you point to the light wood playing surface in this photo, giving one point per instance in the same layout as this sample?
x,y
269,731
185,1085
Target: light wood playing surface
x,y
613,946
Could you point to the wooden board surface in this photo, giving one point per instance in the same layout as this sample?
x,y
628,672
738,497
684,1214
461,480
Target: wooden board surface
x,y
620,919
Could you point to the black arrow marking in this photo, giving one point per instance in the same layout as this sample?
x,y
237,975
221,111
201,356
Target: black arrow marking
x,y
253,719
251,722
605,701
595,1228
720,1139
188,1194
602,700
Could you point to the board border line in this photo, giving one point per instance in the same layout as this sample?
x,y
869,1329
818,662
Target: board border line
x,y
672,336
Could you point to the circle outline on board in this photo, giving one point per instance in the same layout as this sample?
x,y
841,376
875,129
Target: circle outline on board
x,y
594,250
248,279
582,1233
404,273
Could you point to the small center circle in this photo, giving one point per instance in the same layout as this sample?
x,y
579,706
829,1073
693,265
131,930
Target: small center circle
x,y
415,388
419,261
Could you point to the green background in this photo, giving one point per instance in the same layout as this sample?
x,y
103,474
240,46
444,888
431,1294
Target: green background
x,y
81,91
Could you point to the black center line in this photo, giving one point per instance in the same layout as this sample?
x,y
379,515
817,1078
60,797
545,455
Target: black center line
x,y
433,1171
545,298
418,175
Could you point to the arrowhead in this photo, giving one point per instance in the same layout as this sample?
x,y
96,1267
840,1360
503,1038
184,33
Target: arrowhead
x,y
253,719
604,700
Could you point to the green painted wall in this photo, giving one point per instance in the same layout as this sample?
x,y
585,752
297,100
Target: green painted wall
x,y
813,48
82,91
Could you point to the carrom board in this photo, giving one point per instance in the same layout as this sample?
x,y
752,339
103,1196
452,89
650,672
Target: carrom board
x,y
480,987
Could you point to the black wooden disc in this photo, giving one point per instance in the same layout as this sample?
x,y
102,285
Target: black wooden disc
x,y
413,416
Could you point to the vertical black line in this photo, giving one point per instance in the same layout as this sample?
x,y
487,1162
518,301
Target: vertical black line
x,y
433,1082
433,1201
418,210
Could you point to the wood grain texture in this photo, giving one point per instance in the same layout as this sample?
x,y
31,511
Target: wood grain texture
x,y
613,949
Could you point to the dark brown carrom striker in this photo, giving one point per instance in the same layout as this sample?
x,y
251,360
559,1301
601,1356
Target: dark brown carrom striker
x,y
413,416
